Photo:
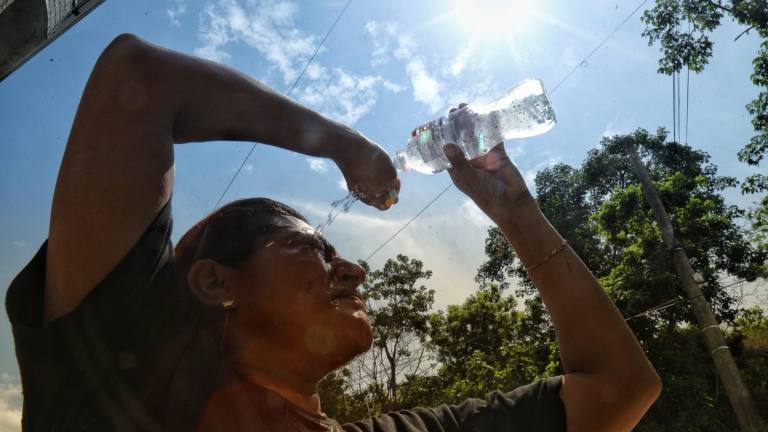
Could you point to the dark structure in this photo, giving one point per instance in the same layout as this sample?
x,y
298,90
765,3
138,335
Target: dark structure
x,y
27,26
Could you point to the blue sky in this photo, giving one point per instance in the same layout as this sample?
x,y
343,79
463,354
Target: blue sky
x,y
387,67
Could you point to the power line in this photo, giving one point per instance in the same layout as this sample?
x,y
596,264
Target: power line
x,y
554,89
687,99
409,222
600,45
679,123
293,86
674,114
658,308
687,89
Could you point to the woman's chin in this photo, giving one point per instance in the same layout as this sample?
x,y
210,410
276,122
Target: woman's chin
x,y
358,337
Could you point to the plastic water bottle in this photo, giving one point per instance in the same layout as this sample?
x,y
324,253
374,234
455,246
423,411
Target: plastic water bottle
x,y
524,111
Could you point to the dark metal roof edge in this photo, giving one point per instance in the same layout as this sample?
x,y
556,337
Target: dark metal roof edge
x,y
76,15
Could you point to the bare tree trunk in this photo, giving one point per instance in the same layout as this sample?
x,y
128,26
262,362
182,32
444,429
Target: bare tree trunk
x,y
726,368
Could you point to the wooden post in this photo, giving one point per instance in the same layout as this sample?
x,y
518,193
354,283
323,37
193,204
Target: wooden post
x,y
729,374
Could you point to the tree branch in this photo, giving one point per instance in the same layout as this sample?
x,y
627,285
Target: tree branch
x,y
743,33
719,6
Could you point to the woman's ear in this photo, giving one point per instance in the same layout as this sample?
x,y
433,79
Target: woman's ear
x,y
209,282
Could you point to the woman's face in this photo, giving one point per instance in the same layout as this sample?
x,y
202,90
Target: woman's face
x,y
298,301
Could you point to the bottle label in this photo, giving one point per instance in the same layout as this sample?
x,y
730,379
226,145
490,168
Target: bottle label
x,y
430,139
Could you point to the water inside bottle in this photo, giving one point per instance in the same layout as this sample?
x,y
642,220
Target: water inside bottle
x,y
524,111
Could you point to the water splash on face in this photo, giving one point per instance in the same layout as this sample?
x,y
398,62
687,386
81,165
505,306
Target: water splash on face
x,y
338,207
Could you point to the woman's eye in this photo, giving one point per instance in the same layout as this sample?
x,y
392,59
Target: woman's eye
x,y
316,246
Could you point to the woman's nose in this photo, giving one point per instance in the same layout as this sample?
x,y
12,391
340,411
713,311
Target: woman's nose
x,y
348,273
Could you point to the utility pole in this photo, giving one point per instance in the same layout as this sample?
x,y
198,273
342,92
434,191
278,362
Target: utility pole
x,y
729,374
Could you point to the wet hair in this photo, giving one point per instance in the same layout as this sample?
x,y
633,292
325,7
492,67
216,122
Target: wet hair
x,y
231,234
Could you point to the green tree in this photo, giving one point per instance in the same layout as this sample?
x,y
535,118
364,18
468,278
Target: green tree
x,y
398,310
481,346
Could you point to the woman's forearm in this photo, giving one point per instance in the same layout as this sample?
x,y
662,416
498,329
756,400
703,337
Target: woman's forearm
x,y
592,335
208,101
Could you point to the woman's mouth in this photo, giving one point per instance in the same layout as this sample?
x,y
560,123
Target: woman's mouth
x,y
349,296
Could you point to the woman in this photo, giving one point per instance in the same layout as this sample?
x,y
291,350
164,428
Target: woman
x,y
233,331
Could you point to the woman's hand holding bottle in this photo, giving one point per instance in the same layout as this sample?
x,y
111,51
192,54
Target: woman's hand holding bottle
x,y
492,181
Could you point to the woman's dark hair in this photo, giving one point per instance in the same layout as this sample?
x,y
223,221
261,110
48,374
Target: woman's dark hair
x,y
231,234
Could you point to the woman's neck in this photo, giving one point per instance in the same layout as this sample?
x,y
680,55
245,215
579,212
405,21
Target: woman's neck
x,y
292,387
302,394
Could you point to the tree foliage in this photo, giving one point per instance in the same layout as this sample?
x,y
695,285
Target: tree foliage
x,y
683,28
484,345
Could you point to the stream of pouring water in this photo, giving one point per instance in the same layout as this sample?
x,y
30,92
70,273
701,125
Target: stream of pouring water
x,y
338,207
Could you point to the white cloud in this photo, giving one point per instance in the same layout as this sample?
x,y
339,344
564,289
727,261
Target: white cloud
x,y
342,95
19,243
248,168
460,62
530,175
393,87
472,212
175,10
318,165
269,28
372,27
515,151
266,26
342,184
612,128
10,404
426,89
214,35
316,71
389,40
406,47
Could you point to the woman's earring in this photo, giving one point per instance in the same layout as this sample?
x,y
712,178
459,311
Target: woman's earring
x,y
228,306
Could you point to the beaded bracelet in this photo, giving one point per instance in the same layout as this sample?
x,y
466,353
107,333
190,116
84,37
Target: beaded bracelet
x,y
551,255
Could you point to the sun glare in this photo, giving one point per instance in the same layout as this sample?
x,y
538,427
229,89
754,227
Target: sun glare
x,y
494,17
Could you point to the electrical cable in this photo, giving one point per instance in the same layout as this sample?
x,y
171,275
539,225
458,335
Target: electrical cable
x,y
687,89
293,87
674,114
409,222
679,123
666,305
600,45
687,99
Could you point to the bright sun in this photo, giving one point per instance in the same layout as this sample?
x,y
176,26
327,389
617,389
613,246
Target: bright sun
x,y
494,17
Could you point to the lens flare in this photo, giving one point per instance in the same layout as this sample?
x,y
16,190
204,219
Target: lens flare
x,y
495,17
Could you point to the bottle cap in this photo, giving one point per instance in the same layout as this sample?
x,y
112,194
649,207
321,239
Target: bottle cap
x,y
392,198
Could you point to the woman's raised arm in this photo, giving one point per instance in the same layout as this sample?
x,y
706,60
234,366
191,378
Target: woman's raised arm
x,y
609,383
118,166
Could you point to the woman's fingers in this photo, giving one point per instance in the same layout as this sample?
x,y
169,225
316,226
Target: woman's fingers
x,y
454,109
461,171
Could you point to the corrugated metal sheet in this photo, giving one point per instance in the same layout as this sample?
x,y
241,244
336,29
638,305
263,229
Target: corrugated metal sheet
x,y
58,11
